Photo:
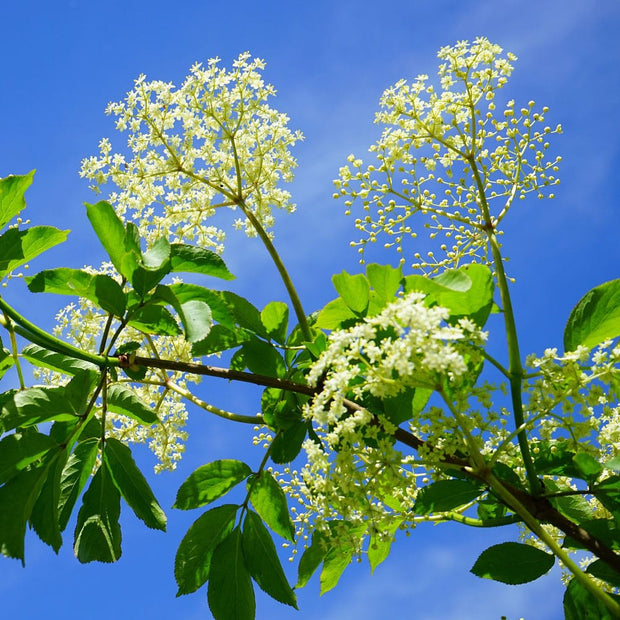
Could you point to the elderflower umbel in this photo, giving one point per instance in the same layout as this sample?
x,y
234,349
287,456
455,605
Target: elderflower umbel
x,y
446,154
214,142
356,474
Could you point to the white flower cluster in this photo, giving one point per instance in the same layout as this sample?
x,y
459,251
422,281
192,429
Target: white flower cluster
x,y
82,325
445,154
356,474
214,142
576,398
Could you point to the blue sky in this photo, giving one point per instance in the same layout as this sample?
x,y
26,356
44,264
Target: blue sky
x,y
61,62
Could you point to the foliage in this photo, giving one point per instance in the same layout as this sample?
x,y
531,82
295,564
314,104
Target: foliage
x,y
378,410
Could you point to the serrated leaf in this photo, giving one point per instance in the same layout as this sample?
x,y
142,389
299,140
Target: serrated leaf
x,y
274,317
75,473
209,482
230,592
512,563
245,313
44,516
270,503
380,545
98,288
122,400
193,557
445,495
262,358
98,533
19,450
17,247
595,318
222,313
192,259
154,320
17,498
353,289
132,484
44,358
220,339
287,443
12,189
262,561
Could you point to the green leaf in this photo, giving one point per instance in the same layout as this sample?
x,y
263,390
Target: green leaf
x,y
17,247
334,315
230,592
380,544
132,484
19,450
613,463
512,563
555,458
246,314
209,482
44,358
98,288
122,400
580,604
192,259
220,339
74,477
354,290
595,318
12,189
154,320
601,570
270,502
17,498
7,360
195,314
262,358
445,495
334,564
575,507
98,533
385,281
155,266
193,558
262,561
274,317
120,244
311,559
222,312
287,443
587,465
44,517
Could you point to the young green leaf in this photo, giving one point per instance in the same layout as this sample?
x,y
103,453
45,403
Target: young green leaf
x,y
12,189
122,400
595,318
132,484
98,288
262,561
209,482
274,317
230,591
98,533
270,503
353,289
192,259
385,281
445,495
334,314
193,558
154,268
334,564
512,563
18,247
380,544
75,473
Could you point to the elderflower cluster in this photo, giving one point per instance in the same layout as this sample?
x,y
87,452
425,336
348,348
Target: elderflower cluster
x,y
213,142
446,154
575,397
82,325
356,474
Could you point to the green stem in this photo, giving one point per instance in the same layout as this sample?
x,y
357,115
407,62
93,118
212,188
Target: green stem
x,y
34,334
515,369
9,326
533,524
